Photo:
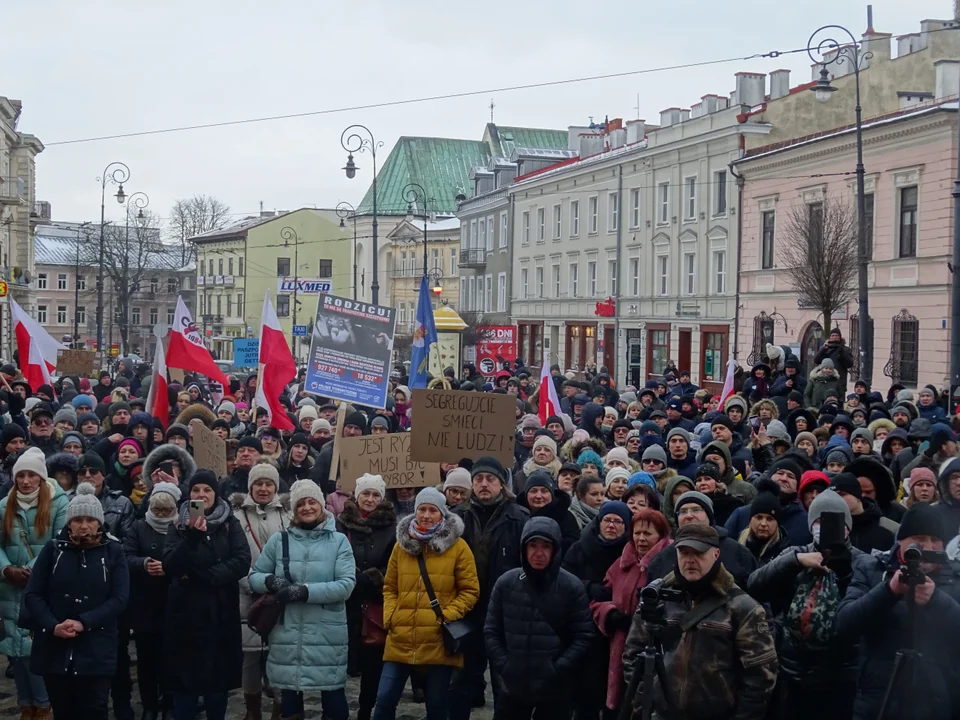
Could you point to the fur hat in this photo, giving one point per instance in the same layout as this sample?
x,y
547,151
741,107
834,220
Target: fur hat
x,y
370,482
85,503
303,489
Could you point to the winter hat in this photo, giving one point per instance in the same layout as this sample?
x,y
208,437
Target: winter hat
x,y
614,473
617,454
580,435
263,471
141,418
431,496
118,406
848,483
530,421
372,482
380,421
357,419
491,465
789,464
904,396
93,461
220,423
649,427
776,430
827,363
11,431
251,442
299,439
615,507
132,442
66,414
307,411
922,519
862,433
698,498
587,457
62,462
708,469
642,478
205,477
540,478
813,477
85,504
919,474
679,431
654,452
767,503
460,478
568,466
807,436
166,488
547,442
31,459
828,501
178,430
796,396
722,420
838,454
227,406
320,424
303,489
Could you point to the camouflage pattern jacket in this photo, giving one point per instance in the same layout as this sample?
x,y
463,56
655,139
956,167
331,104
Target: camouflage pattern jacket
x,y
725,666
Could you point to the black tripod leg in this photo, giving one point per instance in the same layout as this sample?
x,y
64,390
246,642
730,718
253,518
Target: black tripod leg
x,y
898,665
665,686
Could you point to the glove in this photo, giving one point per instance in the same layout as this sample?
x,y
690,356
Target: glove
x,y
17,576
276,584
374,577
292,593
617,620
597,591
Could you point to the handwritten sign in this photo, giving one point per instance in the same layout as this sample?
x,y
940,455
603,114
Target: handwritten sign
x,y
387,456
209,451
449,425
75,362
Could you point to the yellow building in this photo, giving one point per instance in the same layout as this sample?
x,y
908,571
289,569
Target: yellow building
x,y
299,253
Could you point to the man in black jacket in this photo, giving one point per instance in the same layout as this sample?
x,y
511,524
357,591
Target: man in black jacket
x,y
871,531
542,498
538,629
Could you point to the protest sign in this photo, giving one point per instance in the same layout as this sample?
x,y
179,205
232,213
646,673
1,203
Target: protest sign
x,y
75,362
496,344
209,451
246,352
387,456
350,347
449,425
337,439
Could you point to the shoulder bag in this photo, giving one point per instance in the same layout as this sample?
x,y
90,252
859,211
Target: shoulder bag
x,y
454,633
266,612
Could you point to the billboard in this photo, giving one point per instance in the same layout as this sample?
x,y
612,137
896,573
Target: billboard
x,y
499,341
304,286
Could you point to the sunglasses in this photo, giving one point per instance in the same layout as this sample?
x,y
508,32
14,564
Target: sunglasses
x,y
42,422
88,472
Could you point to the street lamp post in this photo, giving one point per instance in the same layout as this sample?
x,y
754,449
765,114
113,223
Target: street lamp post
x,y
118,173
288,235
415,194
353,141
346,210
76,289
827,51
139,200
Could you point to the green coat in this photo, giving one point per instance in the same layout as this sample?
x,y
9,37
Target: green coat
x,y
818,385
22,550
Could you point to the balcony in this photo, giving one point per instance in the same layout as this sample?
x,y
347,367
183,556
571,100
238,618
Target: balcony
x,y
473,258
201,281
227,281
41,213
12,190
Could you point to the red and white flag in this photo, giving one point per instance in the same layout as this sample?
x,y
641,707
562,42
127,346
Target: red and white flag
x,y
277,367
158,401
728,382
549,403
37,348
186,349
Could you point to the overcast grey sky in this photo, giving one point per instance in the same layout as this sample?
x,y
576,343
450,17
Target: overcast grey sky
x,y
98,67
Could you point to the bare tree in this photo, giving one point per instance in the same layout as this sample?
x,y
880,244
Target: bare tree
x,y
193,216
819,254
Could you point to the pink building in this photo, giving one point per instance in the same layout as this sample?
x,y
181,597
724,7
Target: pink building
x,y
910,161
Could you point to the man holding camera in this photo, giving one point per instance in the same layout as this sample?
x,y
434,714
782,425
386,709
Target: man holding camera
x,y
905,603
719,656
835,349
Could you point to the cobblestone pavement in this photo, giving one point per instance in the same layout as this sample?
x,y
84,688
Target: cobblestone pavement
x,y
408,710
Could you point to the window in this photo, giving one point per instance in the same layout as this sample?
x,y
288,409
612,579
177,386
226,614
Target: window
x,y
283,267
482,237
663,191
229,266
501,292
61,281
154,315
769,222
211,266
453,262
713,365
592,278
526,228
172,286
539,280
283,306
488,294
81,282
403,262
220,266
720,193
240,265
463,292
574,270
555,279
154,284
42,314
523,282
135,316
908,221
690,198
402,314
61,314
82,315
904,349
635,277
326,268
612,278
689,273
171,312
435,255
472,237
557,223
229,305
659,350
490,234
41,281
613,211
635,208
471,292
663,274
594,220
815,224
720,272
239,307
541,229
574,218
868,222
503,230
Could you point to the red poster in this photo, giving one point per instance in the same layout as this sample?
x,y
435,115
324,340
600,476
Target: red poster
x,y
500,342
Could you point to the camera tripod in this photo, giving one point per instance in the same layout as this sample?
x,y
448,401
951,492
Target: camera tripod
x,y
904,663
653,668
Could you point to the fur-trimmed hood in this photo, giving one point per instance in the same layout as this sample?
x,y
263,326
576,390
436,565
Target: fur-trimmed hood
x,y
572,448
440,543
384,515
238,500
765,403
196,411
162,453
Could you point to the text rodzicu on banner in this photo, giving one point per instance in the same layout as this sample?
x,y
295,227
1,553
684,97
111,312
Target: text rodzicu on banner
x,y
449,425
350,348
387,456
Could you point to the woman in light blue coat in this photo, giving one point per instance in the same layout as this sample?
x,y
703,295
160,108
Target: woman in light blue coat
x,y
34,512
308,647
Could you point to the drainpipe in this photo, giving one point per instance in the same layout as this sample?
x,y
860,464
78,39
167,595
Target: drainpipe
x,y
736,312
616,317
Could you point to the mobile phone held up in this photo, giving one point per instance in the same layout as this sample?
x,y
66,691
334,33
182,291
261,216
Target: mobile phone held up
x,y
166,467
196,510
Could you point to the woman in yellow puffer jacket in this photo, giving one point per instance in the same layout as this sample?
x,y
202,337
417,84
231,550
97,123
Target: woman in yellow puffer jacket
x,y
414,635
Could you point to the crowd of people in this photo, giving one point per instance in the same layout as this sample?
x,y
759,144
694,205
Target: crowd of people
x,y
788,552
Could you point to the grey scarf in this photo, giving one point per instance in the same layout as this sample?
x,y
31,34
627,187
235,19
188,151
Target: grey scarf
x,y
215,518
582,512
161,525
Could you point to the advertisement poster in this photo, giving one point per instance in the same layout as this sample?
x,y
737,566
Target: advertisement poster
x,y
350,348
500,342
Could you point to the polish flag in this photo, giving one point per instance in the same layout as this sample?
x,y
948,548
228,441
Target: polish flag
x,y
158,401
728,382
277,367
37,348
549,403
186,349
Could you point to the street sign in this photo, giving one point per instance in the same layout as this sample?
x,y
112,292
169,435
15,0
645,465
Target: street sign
x,y
299,330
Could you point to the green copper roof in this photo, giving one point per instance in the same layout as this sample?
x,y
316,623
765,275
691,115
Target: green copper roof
x,y
442,165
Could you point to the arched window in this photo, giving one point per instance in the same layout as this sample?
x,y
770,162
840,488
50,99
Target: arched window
x,y
904,362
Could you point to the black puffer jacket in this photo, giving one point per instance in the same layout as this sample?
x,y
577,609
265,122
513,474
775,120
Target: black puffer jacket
x,y
590,557
537,655
557,510
868,532
871,612
118,512
738,561
68,583
148,593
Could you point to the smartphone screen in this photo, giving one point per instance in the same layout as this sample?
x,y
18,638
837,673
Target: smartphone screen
x,y
832,530
755,422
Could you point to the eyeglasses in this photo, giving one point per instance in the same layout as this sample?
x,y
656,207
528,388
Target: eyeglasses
x,y
88,472
651,462
612,520
41,422
691,511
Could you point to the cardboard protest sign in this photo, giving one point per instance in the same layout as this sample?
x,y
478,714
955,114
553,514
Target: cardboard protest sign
x,y
337,439
209,451
75,362
449,425
387,456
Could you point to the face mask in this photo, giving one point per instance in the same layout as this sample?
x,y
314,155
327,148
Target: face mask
x,y
877,445
816,535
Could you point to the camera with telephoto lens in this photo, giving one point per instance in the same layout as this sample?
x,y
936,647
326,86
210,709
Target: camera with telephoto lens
x,y
653,599
913,556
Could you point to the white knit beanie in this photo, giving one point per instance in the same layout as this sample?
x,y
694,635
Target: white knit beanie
x,y
32,459
614,473
303,489
307,411
370,482
319,425
229,407
618,453
458,478
547,442
167,488
263,471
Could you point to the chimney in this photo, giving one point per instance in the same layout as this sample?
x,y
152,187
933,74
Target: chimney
x,y
779,84
709,103
636,130
948,78
670,116
723,103
590,144
614,124
616,138
684,115
573,136
750,88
